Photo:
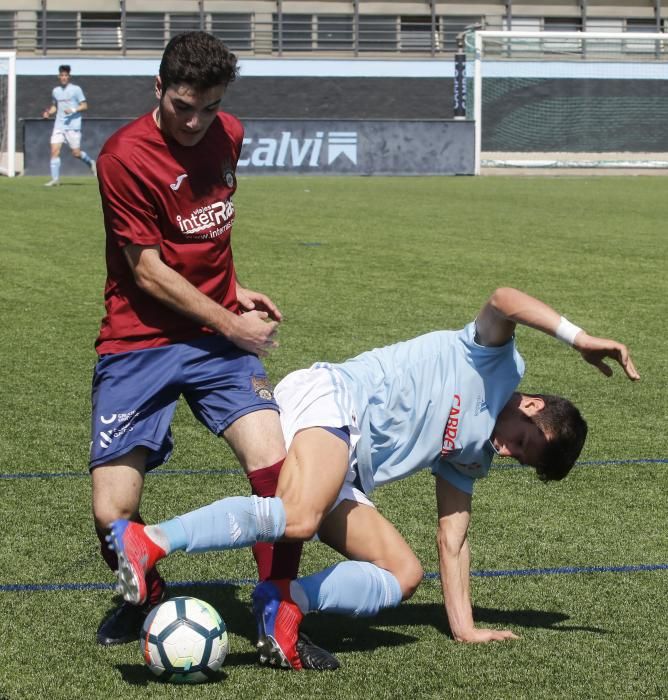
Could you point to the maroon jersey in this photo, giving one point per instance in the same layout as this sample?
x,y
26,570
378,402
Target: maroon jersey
x,y
156,192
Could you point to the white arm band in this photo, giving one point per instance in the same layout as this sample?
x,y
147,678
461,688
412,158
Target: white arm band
x,y
566,331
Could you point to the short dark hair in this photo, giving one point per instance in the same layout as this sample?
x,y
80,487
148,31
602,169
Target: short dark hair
x,y
64,69
566,432
197,59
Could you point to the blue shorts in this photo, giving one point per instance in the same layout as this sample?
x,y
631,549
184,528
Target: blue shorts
x,y
135,393
342,433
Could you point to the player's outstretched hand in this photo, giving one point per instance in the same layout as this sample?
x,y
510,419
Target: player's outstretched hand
x,y
595,350
251,300
255,332
482,636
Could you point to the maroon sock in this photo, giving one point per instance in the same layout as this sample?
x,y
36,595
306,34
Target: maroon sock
x,y
154,582
279,559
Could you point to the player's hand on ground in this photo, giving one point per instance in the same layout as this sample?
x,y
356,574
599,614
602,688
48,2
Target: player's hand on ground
x,y
255,332
251,300
482,636
595,350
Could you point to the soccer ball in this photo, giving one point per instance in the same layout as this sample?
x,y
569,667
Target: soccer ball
x,y
184,640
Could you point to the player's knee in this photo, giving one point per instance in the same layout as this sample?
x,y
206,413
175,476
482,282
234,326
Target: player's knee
x,y
303,530
302,526
410,578
105,514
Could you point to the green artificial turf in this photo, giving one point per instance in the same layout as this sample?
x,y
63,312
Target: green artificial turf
x,y
356,263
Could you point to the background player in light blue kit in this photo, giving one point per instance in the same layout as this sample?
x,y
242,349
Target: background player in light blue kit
x,y
67,103
446,401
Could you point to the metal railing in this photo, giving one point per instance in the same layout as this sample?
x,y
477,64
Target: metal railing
x,y
278,34
47,32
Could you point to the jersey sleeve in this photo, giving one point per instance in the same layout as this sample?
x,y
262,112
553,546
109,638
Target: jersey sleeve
x,y
128,210
501,362
79,95
454,477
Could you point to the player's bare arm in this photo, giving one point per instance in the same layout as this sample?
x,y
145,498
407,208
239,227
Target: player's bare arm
x,y
507,307
454,515
250,300
252,331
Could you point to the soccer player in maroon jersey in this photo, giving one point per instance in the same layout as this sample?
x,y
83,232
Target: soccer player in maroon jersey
x,y
177,321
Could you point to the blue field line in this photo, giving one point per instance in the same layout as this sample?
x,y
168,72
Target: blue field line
x,y
239,472
154,472
566,570
50,587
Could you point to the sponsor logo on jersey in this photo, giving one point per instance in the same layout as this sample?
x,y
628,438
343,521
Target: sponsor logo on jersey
x,y
480,406
209,221
175,185
451,428
228,176
288,151
262,388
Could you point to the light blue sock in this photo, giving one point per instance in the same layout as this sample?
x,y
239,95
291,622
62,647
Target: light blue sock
x,y
55,168
174,535
231,523
86,158
355,588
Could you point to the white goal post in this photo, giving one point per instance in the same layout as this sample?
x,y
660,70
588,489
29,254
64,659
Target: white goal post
x,y
8,113
569,99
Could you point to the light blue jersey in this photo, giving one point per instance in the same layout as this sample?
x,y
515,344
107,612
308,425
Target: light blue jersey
x,y
430,402
68,97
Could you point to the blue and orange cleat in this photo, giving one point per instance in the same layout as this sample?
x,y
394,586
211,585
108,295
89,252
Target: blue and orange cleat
x,y
278,619
137,553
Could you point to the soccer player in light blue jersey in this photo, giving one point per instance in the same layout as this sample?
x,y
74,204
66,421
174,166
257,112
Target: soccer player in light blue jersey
x,y
445,401
67,103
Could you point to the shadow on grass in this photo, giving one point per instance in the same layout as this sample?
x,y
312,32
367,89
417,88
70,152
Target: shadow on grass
x,y
239,617
340,633
532,619
139,675
343,634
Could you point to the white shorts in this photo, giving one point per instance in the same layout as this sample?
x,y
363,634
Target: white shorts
x,y
318,397
71,136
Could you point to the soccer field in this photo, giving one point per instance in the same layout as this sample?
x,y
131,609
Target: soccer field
x,y
578,569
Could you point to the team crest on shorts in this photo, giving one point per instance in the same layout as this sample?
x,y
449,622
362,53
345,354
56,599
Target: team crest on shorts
x,y
262,388
228,176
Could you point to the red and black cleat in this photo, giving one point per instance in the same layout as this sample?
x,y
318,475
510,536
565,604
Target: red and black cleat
x,y
137,554
280,643
278,619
